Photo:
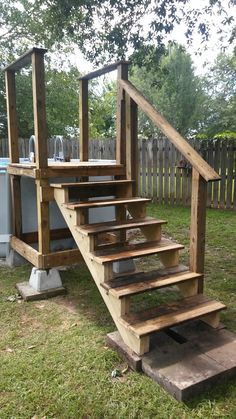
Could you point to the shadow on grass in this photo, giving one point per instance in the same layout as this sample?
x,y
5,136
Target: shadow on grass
x,y
82,290
216,394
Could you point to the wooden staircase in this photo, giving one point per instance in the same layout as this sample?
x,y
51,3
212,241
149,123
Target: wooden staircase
x,y
102,244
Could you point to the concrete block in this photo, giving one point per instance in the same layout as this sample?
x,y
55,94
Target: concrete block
x,y
42,280
124,266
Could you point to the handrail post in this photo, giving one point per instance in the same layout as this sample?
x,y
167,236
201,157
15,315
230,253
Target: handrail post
x,y
198,225
40,124
84,123
12,116
13,151
131,123
40,130
122,74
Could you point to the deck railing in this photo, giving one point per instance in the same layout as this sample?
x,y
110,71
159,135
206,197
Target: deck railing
x,y
128,100
202,172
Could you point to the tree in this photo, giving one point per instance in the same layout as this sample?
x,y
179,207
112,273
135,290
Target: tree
x,y
102,111
221,89
116,28
62,105
62,93
174,90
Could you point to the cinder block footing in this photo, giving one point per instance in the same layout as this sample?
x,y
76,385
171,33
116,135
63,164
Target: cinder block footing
x,y
186,360
29,294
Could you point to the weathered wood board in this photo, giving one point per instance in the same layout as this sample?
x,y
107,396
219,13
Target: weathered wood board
x,y
187,360
29,294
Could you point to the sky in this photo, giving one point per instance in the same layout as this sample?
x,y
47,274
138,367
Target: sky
x,y
203,54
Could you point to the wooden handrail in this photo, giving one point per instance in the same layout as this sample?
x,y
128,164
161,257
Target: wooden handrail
x,y
24,59
103,70
202,167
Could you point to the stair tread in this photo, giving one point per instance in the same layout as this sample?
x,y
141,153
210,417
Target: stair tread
x,y
87,229
105,202
92,183
135,250
172,314
157,282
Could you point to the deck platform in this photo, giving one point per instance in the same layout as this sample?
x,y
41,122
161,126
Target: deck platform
x,y
67,169
186,360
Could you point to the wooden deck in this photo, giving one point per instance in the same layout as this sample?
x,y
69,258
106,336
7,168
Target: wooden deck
x,y
58,169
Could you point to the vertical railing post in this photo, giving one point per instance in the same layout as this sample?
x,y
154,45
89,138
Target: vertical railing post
x,y
122,74
40,125
198,225
14,151
12,116
131,135
84,123
40,129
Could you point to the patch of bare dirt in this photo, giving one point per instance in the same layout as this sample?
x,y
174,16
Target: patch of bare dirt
x,y
69,303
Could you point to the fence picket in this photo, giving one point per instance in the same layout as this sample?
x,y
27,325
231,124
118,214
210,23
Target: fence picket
x,y
229,175
178,178
223,156
154,170
161,141
166,171
172,174
149,168
143,160
216,167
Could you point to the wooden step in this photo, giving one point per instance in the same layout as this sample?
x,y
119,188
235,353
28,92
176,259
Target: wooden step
x,y
100,183
106,203
169,315
135,250
152,284
88,229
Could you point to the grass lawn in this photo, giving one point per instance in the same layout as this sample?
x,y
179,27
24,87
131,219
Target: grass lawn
x,y
54,359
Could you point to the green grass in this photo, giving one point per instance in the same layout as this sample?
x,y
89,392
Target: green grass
x,y
54,358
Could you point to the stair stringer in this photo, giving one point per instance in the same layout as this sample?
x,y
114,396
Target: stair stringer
x,y
100,273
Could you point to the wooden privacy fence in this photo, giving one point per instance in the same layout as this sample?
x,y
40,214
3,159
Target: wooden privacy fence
x,y
164,176
98,149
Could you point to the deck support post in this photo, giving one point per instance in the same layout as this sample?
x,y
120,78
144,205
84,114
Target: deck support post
x,y
17,207
40,129
43,218
198,225
84,123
